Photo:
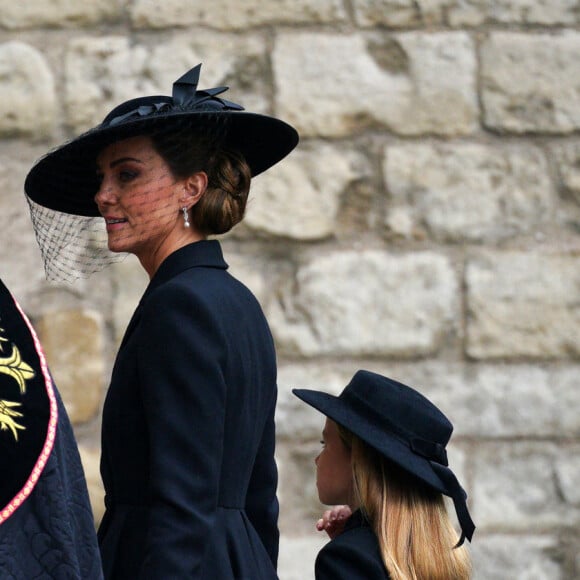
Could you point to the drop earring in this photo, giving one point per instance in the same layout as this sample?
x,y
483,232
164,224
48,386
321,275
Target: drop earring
x,y
185,217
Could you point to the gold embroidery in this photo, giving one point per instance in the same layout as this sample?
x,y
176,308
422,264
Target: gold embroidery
x,y
16,368
6,417
20,371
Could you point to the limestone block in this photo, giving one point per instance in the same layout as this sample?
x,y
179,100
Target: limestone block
x,y
392,13
523,305
455,13
467,192
298,553
568,476
103,72
229,14
73,343
28,104
295,419
57,13
516,489
546,12
496,401
90,458
22,267
333,85
130,281
567,158
251,270
516,557
531,82
367,303
481,400
300,198
298,481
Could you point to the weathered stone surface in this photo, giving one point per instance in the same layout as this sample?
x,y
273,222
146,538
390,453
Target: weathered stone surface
x,y
405,307
467,191
567,158
530,468
482,401
94,85
568,477
292,415
28,104
57,13
251,270
523,305
228,14
73,343
531,82
408,83
21,267
507,557
300,198
393,13
130,281
446,146
90,458
477,12
412,13
298,553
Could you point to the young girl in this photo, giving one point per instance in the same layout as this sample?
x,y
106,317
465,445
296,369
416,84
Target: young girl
x,y
384,457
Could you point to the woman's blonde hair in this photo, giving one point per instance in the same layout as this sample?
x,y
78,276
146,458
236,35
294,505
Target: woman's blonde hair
x,y
410,519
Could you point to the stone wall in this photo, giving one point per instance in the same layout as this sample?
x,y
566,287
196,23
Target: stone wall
x,y
427,227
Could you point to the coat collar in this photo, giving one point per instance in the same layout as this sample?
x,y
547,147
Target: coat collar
x,y
356,520
206,253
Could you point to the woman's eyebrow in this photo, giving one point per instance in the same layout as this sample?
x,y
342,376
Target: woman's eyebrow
x,y
123,159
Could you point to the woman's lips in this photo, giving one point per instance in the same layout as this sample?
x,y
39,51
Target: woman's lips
x,y
114,223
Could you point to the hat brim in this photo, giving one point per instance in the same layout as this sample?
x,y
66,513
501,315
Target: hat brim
x,y
387,444
65,179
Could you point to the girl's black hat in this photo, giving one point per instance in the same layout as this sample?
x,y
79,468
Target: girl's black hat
x,y
402,425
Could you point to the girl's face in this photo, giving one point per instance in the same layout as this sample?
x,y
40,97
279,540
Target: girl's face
x,y
141,201
334,478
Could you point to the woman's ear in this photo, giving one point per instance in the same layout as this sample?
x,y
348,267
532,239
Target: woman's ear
x,y
194,187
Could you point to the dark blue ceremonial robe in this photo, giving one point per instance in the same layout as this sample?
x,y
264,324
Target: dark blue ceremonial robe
x,y
47,529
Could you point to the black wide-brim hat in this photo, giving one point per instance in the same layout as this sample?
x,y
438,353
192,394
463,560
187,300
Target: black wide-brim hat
x,y
402,425
65,179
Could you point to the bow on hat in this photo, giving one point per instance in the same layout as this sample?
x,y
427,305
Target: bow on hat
x,y
185,97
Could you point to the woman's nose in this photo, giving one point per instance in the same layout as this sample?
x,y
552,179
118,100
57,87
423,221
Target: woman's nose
x,y
105,194
316,460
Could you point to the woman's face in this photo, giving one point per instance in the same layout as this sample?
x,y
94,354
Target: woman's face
x,y
140,200
334,478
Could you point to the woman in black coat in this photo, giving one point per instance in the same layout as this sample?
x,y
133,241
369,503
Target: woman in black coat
x,y
188,422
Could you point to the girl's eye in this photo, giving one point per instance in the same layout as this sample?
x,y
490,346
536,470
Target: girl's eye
x,y
322,442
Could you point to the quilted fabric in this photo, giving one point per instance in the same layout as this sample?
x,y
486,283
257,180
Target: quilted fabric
x,y
52,534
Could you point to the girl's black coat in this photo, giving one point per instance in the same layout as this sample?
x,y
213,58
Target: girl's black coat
x,y
353,555
188,430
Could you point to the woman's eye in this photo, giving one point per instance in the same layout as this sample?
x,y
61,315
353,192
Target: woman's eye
x,y
322,442
126,176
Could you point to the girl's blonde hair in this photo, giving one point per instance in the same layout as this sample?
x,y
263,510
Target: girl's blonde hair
x,y
410,519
